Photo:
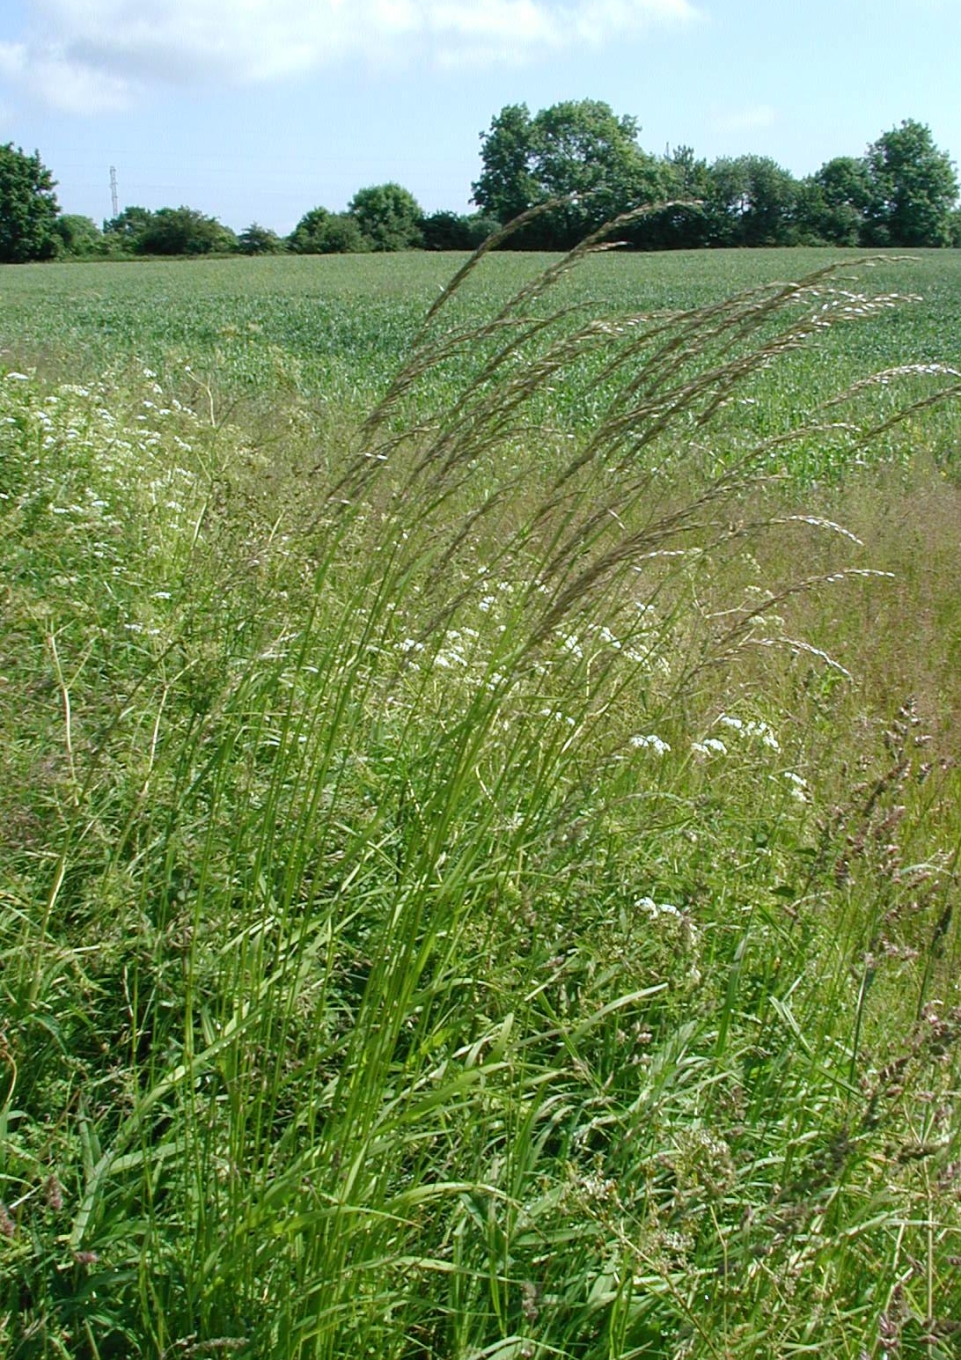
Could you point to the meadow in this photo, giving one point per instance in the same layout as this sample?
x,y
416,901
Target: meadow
x,y
479,818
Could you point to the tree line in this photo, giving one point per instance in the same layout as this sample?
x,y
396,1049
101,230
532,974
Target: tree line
x,y
580,165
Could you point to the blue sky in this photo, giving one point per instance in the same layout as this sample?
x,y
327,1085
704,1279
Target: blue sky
x,y
262,109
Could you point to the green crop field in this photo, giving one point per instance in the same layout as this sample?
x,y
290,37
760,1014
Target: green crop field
x,y
480,809
337,326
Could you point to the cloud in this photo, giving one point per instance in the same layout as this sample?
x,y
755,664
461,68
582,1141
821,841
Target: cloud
x,y
91,55
746,120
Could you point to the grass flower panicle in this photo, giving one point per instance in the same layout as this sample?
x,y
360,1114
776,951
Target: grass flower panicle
x,y
335,757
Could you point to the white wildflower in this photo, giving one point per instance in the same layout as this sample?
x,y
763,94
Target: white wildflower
x,y
761,730
651,742
753,728
656,909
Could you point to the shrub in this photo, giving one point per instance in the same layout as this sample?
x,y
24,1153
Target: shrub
x,y
320,232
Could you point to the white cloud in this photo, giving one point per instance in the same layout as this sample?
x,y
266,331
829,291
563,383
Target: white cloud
x,y
746,120
90,55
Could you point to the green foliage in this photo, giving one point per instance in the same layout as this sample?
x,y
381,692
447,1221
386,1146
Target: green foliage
x,y
752,202
79,237
320,232
456,231
833,203
685,222
127,229
420,938
28,208
169,231
258,240
507,186
184,231
446,911
913,188
388,216
328,331
575,149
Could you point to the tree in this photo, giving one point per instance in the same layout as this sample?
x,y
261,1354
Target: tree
x,y
388,215
687,189
752,203
28,207
320,232
576,149
456,231
913,188
184,231
833,202
168,231
127,228
258,240
79,237
507,186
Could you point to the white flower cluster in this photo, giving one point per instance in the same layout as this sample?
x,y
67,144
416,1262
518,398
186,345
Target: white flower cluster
x,y
656,909
651,742
799,786
753,727
99,474
710,746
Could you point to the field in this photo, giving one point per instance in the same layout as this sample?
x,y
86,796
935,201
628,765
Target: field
x,y
479,817
336,326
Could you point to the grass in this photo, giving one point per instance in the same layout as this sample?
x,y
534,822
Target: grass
x,y
313,337
461,897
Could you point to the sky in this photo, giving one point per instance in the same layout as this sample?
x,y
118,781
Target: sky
x,y
259,110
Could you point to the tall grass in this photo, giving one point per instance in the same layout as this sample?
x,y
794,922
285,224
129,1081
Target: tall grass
x,y
428,931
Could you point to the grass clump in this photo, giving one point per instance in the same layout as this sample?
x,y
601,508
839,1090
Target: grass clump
x,y
446,913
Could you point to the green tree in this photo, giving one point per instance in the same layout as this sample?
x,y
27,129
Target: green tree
x,y
752,203
507,186
683,223
258,240
320,232
913,188
184,231
389,217
28,207
578,149
127,229
833,202
79,237
456,231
